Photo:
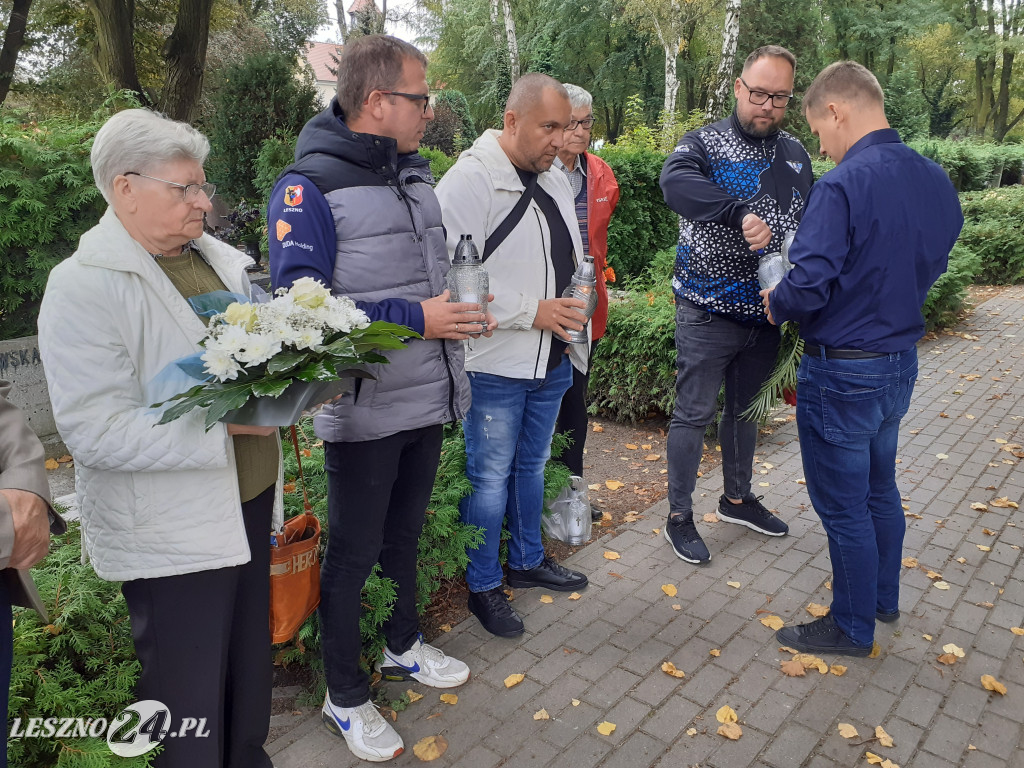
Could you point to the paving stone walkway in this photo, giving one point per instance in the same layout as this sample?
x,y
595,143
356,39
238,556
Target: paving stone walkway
x,y
605,650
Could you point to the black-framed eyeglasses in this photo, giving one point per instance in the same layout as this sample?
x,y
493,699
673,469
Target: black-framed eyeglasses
x,y
587,123
190,192
779,100
424,97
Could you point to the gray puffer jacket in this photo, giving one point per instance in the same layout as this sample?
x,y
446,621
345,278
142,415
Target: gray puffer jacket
x,y
390,244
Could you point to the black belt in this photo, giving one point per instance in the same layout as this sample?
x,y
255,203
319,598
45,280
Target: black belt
x,y
841,354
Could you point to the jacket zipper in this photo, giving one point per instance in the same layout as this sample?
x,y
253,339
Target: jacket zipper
x,y
444,350
540,345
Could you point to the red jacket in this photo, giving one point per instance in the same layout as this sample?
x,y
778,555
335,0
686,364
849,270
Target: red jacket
x,y
602,197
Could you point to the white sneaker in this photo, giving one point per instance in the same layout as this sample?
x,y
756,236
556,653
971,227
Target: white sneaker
x,y
368,735
423,663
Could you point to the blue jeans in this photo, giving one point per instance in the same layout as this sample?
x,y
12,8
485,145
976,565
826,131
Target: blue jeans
x,y
711,349
848,418
508,441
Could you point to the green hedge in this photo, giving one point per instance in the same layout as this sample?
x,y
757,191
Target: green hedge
x,y
973,165
993,230
47,200
642,223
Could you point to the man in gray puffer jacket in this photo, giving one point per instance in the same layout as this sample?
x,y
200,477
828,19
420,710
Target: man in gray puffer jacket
x,y
357,211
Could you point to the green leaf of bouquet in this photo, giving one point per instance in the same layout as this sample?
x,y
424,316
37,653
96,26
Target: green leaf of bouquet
x,y
272,388
319,371
342,346
225,401
395,329
285,361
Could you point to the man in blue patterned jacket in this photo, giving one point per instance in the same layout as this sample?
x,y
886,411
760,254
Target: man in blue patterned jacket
x,y
357,211
738,186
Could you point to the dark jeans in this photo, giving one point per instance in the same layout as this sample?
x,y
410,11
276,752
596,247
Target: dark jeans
x,y
572,418
377,496
204,642
848,418
709,349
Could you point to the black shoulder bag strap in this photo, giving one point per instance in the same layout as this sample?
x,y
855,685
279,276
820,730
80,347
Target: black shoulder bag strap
x,y
504,229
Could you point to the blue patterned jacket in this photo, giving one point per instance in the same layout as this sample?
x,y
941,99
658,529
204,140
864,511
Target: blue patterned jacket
x,y
714,177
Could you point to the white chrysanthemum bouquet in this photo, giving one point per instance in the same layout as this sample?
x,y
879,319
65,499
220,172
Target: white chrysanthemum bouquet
x,y
266,363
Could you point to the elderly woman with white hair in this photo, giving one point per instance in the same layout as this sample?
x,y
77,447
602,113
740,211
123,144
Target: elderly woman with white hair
x,y
182,516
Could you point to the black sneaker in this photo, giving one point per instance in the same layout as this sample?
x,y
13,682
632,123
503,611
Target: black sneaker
x,y
682,534
753,514
548,574
497,616
887,617
595,513
821,636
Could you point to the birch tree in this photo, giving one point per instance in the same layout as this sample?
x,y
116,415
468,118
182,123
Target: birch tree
x,y
723,78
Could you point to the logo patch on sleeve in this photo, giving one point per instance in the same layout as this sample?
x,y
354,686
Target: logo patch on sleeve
x,y
791,163
293,195
283,228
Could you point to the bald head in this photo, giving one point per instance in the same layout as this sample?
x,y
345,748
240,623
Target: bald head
x,y
536,115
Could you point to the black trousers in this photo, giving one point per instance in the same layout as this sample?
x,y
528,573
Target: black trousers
x,y
377,495
572,418
204,642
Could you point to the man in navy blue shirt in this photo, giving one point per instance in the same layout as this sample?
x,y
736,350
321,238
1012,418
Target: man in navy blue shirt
x,y
876,235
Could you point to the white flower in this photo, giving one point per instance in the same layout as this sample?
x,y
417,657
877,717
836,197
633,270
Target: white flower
x,y
258,349
229,339
221,365
308,292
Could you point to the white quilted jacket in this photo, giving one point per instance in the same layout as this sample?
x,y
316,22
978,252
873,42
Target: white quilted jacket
x,y
155,500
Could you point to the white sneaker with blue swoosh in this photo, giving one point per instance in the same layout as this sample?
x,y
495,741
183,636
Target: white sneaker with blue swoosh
x,y
368,735
423,663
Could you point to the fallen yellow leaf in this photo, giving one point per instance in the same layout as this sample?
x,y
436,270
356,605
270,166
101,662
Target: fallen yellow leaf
x,y
1017,630
594,486
989,683
933,575
575,596
691,731
883,738
817,611
547,599
652,457
670,669
669,589
793,668
1004,503
909,562
730,731
515,679
710,517
734,584
837,669
613,485
773,622
979,507
50,464
726,714
847,731
946,658
872,758
941,456
677,607
430,747
876,651
413,696
646,446
575,702
541,714
598,428
715,652
927,637
983,548
609,555
956,650
606,728
449,698
940,585
446,627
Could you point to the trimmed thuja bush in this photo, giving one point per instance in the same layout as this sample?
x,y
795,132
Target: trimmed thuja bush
x,y
992,230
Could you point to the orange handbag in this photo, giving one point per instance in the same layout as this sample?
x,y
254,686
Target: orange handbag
x,y
294,568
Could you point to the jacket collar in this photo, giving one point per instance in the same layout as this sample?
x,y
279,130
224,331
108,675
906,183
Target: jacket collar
x,y
328,133
499,168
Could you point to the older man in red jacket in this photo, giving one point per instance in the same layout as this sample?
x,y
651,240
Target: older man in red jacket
x,y
596,194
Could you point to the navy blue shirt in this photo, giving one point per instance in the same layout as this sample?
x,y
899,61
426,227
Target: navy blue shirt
x,y
876,234
303,243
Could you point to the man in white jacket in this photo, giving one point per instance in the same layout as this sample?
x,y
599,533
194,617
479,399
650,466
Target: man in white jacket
x,y
519,375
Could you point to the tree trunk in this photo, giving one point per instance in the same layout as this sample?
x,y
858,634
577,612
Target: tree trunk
x,y
513,43
671,78
115,44
185,54
339,8
13,40
723,78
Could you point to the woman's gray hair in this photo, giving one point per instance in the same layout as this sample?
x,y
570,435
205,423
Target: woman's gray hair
x,y
140,140
579,97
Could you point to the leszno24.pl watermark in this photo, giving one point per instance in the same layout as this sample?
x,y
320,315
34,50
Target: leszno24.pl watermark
x,y
134,731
